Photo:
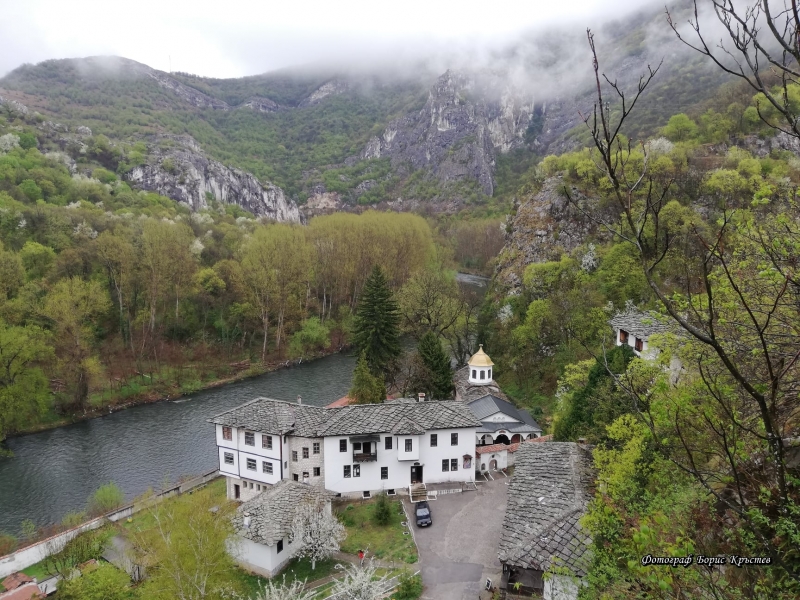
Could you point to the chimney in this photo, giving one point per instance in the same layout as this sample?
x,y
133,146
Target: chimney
x,y
299,400
581,440
421,397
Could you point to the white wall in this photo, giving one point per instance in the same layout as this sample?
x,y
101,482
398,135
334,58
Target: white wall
x,y
399,471
262,559
501,417
559,587
241,452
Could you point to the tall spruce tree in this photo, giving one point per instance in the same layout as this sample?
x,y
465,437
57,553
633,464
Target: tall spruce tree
x,y
439,376
376,330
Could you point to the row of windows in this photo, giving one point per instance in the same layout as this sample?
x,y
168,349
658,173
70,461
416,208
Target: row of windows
x,y
409,443
315,450
449,464
483,374
266,441
638,343
266,466
355,471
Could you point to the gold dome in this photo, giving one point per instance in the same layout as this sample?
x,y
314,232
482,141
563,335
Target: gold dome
x,y
480,359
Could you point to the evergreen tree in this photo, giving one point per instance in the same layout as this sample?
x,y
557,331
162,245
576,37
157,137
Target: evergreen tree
x,y
437,365
367,388
376,330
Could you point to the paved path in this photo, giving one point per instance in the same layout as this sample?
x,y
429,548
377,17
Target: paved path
x,y
459,551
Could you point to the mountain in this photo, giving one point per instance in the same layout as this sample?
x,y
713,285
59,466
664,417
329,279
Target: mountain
x,y
336,139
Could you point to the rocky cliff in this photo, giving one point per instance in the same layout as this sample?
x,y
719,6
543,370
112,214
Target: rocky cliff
x,y
179,169
456,134
545,226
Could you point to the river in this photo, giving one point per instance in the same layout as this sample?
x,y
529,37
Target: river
x,y
54,472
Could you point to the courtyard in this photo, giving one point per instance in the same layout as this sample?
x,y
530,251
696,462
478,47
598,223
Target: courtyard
x,y
459,551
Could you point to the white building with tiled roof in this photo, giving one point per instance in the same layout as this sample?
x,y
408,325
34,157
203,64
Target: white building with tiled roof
x,y
633,327
353,450
264,525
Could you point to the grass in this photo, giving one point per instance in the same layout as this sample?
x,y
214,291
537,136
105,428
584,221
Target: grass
x,y
384,542
143,520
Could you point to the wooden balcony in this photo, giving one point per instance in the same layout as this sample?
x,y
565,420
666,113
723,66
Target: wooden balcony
x,y
365,457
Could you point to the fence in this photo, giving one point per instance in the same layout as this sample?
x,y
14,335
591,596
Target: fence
x,y
30,555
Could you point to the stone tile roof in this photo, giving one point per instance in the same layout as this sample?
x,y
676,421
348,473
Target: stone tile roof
x,y
15,580
272,512
549,492
466,391
378,418
277,417
488,405
274,417
639,323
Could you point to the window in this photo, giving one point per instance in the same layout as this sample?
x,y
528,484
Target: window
x,y
490,374
483,374
280,546
409,445
388,442
623,336
266,442
639,345
227,434
305,475
305,452
454,439
296,477
474,373
434,440
294,455
454,464
316,471
249,438
384,472
347,471
356,470
445,464
356,446
229,458
258,487
251,485
266,467
251,464
316,447
285,464
342,445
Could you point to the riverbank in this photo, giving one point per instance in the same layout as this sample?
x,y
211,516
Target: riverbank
x,y
167,391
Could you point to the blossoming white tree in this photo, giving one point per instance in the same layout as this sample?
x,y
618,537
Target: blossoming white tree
x,y
360,583
282,591
318,532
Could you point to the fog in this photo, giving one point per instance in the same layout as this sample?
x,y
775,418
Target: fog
x,y
247,37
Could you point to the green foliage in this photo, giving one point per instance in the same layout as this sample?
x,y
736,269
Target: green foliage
x,y
27,140
104,582
680,128
24,392
438,377
76,551
382,514
366,388
376,331
593,407
410,587
8,543
37,259
313,336
107,497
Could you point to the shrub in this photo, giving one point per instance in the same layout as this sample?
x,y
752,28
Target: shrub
x,y
105,499
106,582
410,587
8,543
73,519
383,510
75,552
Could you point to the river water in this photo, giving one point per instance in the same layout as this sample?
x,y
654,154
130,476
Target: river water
x,y
54,472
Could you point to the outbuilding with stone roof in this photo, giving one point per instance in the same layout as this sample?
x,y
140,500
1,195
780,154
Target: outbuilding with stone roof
x,y
548,494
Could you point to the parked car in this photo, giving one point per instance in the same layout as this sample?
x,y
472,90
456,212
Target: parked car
x,y
423,512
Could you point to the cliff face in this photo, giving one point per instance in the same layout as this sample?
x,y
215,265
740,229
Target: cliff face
x,y
179,169
545,226
456,134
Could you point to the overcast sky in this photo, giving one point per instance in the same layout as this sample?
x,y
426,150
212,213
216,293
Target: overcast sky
x,y
232,38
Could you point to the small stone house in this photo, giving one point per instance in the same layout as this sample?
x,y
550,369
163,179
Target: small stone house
x,y
547,496
633,327
264,524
